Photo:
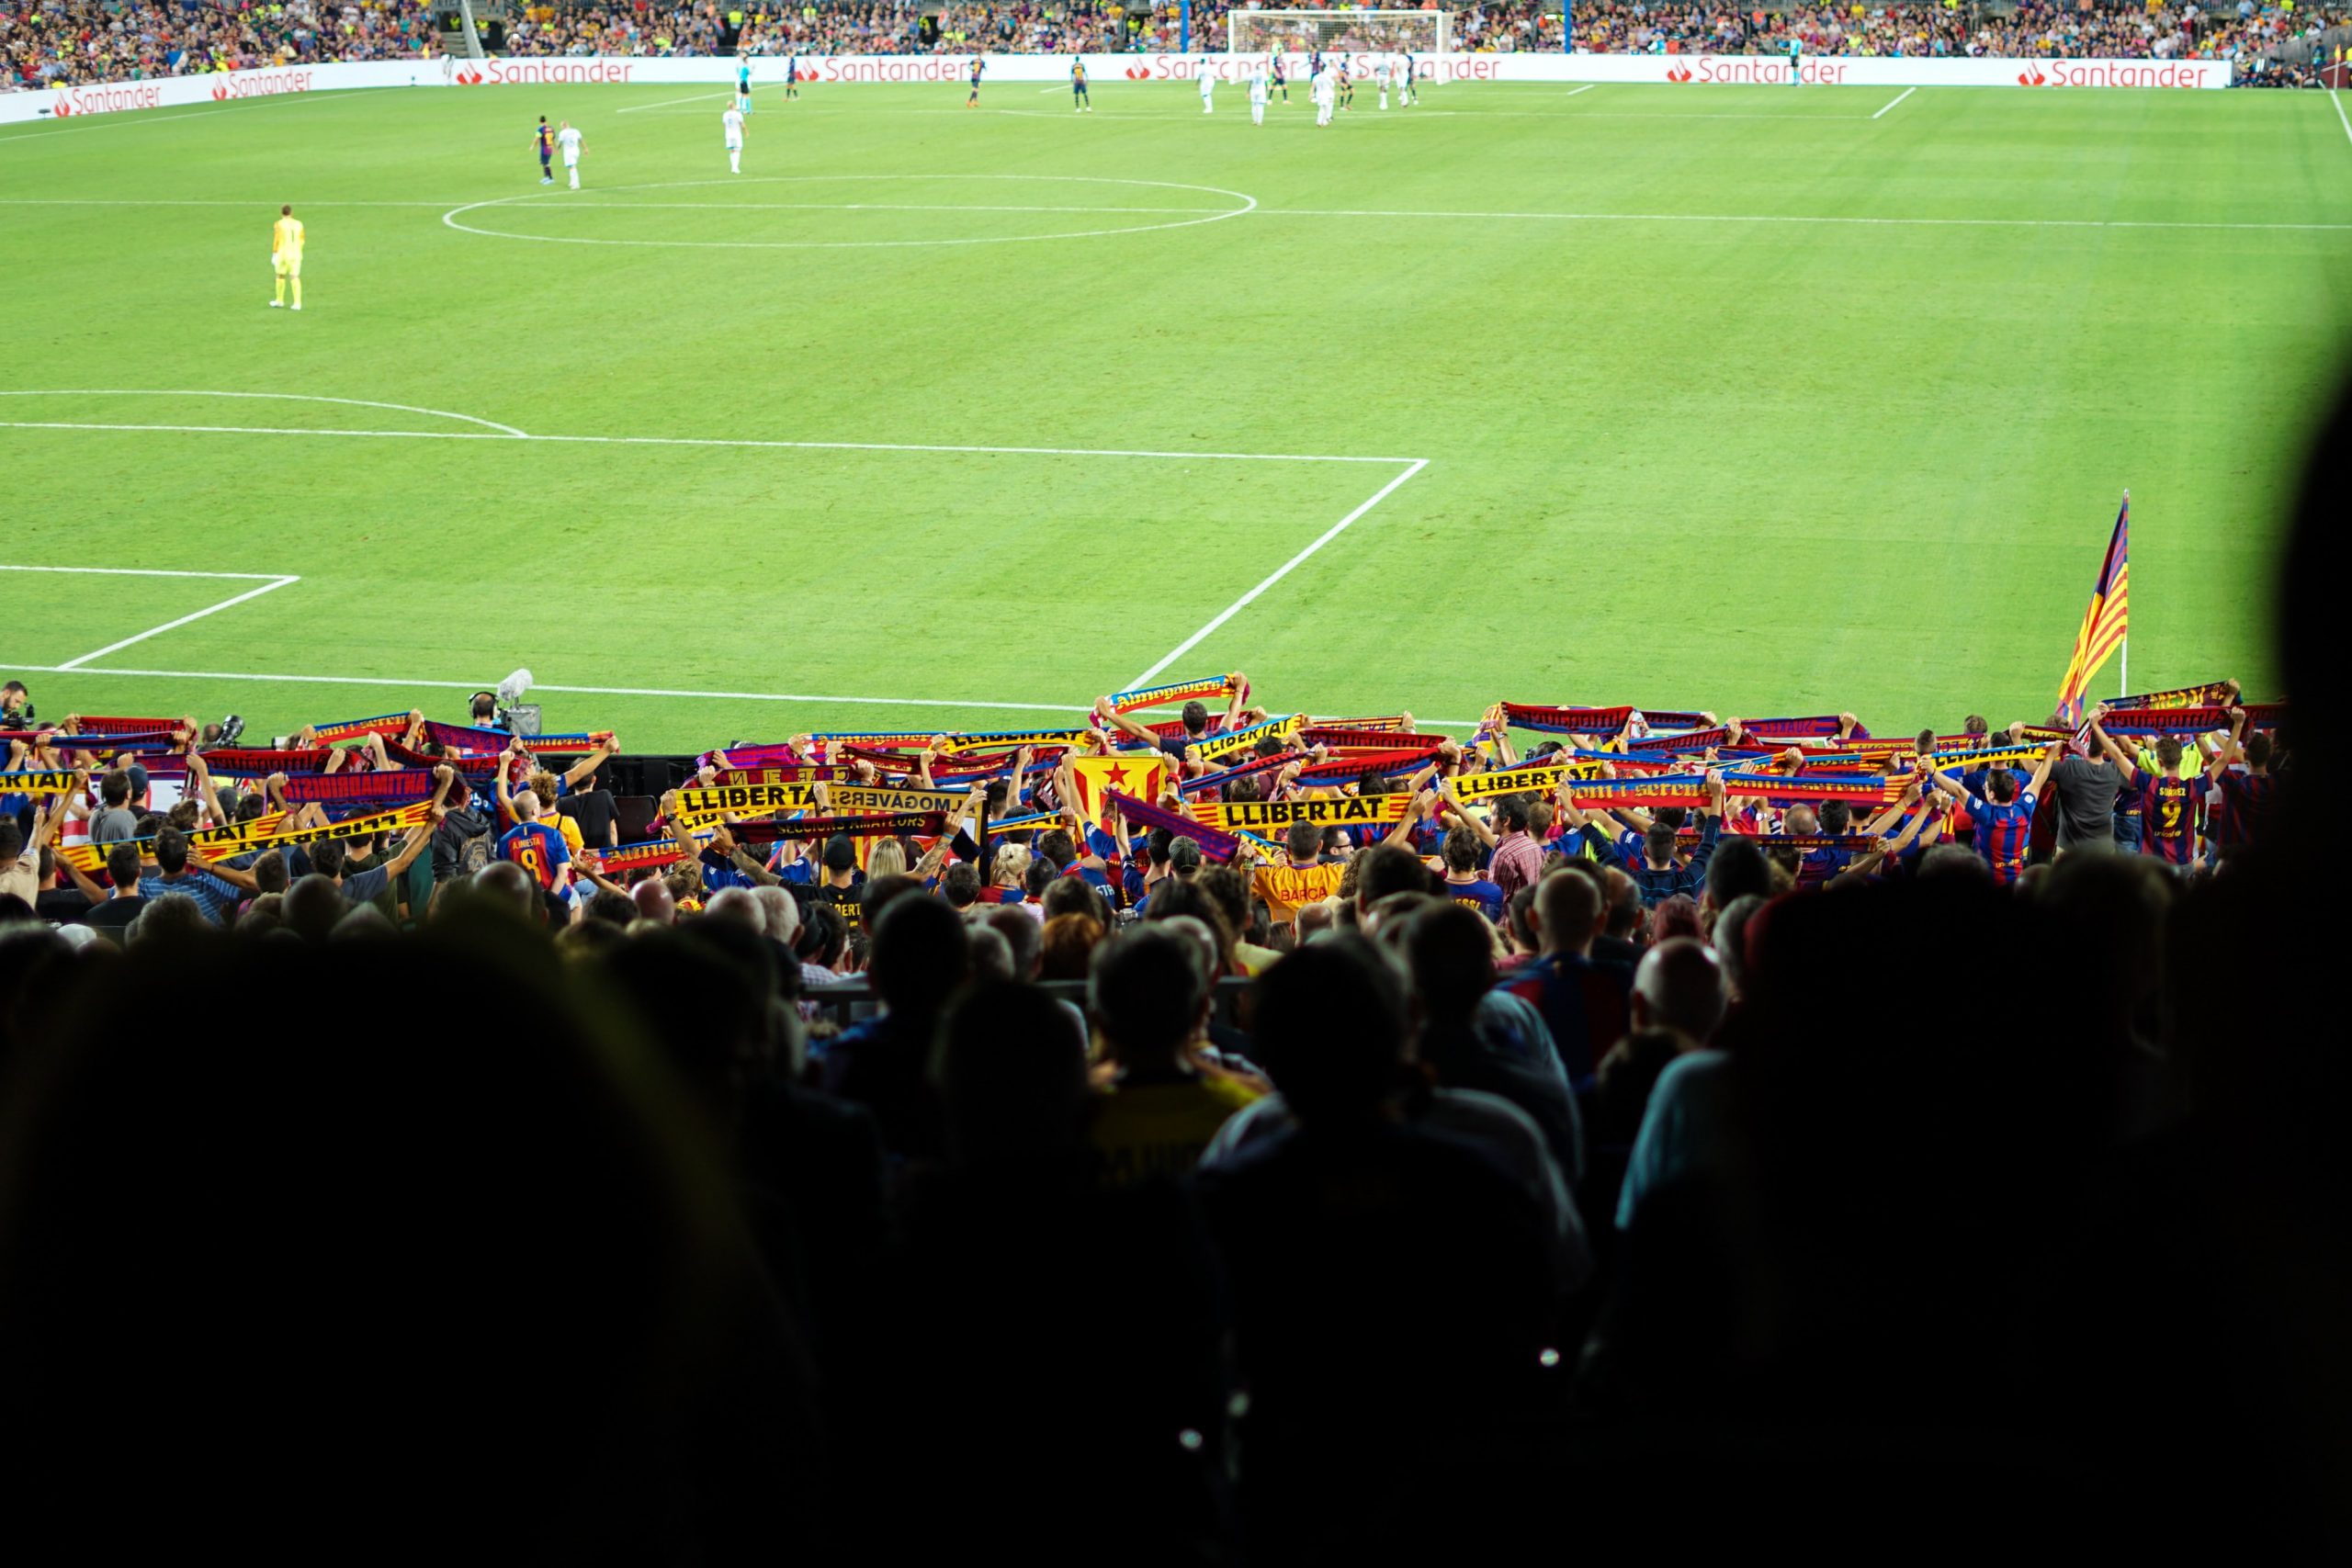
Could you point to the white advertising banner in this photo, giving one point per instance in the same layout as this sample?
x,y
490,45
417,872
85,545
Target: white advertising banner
x,y
1108,70
216,87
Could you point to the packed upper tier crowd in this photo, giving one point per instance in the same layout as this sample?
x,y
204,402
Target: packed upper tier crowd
x,y
1436,1126
70,42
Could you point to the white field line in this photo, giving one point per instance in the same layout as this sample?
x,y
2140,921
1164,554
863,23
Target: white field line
x,y
147,571
696,98
2340,119
141,119
687,441
269,587
390,684
1367,212
125,201
266,397
1794,218
1898,98
851,207
1280,572
1411,466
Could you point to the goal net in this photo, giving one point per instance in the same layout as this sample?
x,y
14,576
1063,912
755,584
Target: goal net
x,y
1345,32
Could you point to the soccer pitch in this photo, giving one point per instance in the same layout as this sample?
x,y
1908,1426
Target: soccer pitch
x,y
1763,400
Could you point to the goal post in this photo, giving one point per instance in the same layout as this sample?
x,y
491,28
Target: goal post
x,y
1344,32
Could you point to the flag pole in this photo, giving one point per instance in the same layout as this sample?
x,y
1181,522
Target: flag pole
x,y
2124,651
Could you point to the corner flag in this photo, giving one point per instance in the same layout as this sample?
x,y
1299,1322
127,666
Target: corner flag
x,y
2104,624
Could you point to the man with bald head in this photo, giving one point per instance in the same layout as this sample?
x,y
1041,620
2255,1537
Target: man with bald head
x,y
1680,986
655,901
509,883
1583,1002
736,904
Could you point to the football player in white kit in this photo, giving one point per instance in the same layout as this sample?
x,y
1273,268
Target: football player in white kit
x,y
1327,91
733,119
1208,86
569,140
1257,97
1380,77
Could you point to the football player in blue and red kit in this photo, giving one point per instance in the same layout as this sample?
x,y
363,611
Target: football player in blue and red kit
x,y
543,138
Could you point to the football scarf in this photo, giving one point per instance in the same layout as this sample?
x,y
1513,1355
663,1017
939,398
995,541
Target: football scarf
x,y
1215,843
651,855
145,741
1328,811
1180,691
92,724
1002,739
215,841
1991,757
2189,721
1247,769
1553,720
47,782
861,799
1812,728
796,772
2213,694
1786,789
1368,737
1686,741
821,830
1538,778
265,760
1389,725
357,789
464,737
1347,770
700,804
349,828
1215,748
386,724
1649,793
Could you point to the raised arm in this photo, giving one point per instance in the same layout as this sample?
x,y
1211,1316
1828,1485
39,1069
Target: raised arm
x,y
2050,756
586,767
1123,723
2230,753
1237,686
2106,743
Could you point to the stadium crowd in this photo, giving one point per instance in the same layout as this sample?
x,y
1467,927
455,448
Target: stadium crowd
x,y
61,43
2165,32
69,42
1865,1111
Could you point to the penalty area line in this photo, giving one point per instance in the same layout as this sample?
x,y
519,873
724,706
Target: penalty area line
x,y
1333,531
270,587
1898,98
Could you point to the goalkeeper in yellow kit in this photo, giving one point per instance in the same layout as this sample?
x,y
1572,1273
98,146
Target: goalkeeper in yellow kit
x,y
286,255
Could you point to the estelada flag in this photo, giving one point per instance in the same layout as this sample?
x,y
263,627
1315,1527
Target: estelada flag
x,y
1135,773
2104,622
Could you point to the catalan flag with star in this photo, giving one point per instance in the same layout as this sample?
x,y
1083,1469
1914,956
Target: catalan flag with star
x,y
1133,773
2104,624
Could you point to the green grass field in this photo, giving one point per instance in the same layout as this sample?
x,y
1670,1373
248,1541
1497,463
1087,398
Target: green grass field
x,y
1757,399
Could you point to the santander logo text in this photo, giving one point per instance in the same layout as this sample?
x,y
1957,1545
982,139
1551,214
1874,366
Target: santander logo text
x,y
107,99
261,84
539,73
